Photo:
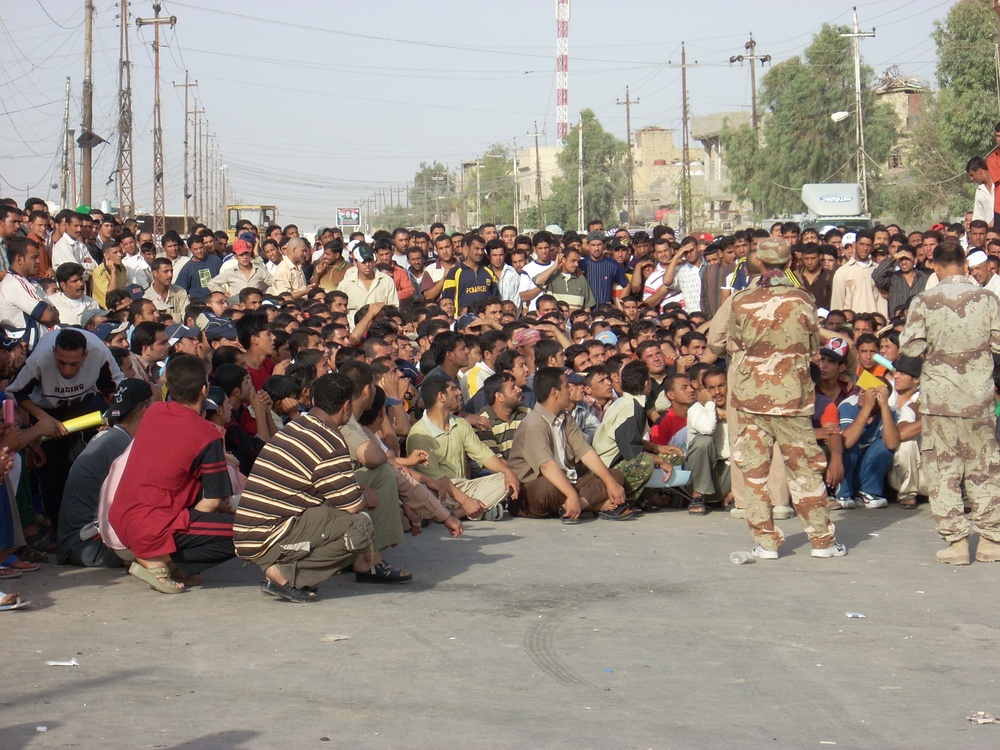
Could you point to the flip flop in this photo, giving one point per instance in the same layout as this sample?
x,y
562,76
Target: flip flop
x,y
383,572
569,521
14,563
152,577
287,592
18,603
621,513
9,573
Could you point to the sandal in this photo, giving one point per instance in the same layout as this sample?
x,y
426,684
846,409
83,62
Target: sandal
x,y
567,520
287,592
908,503
698,508
12,601
9,573
621,513
152,577
31,554
383,572
14,563
181,577
41,542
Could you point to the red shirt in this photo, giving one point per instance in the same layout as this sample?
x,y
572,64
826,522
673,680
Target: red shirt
x,y
177,457
668,426
258,376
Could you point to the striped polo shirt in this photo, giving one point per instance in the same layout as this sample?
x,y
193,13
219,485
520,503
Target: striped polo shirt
x,y
305,465
603,275
500,435
467,286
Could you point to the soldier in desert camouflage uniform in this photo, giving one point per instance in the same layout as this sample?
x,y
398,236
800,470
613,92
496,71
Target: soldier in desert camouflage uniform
x,y
954,326
774,324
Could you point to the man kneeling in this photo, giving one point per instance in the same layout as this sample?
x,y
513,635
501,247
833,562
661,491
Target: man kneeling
x,y
300,518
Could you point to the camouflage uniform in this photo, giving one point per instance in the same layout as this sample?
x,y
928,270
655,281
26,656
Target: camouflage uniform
x,y
954,326
775,327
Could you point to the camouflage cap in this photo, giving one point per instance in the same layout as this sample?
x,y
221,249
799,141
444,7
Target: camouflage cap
x,y
774,251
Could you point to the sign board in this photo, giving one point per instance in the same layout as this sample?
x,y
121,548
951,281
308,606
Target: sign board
x,y
348,217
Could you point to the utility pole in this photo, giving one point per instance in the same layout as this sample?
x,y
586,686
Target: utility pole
x,y
685,145
88,104
187,85
206,206
538,178
66,159
856,36
579,178
199,203
159,219
631,162
517,192
479,195
753,57
126,188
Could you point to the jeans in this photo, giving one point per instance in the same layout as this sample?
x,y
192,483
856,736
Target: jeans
x,y
865,470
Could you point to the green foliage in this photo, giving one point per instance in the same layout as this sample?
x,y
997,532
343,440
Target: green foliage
x,y
604,177
496,188
967,78
799,141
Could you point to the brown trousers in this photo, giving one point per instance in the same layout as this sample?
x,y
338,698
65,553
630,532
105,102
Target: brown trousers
x,y
540,498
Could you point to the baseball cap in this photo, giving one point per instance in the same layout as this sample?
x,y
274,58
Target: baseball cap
x,y
977,258
130,393
176,332
848,239
825,229
361,252
91,314
134,291
216,328
594,236
242,247
214,399
575,378
774,250
106,330
704,236
607,337
525,337
835,349
9,344
464,321
620,242
911,366
248,237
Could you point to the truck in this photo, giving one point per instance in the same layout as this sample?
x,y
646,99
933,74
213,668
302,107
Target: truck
x,y
260,216
834,204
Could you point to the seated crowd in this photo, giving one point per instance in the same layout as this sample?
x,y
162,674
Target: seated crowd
x,y
305,405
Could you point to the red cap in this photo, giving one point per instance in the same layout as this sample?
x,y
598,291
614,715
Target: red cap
x,y
241,247
705,236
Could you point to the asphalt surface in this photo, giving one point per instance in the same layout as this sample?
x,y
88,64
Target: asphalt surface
x,y
528,634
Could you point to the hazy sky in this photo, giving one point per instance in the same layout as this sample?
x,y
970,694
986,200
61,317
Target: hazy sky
x,y
316,104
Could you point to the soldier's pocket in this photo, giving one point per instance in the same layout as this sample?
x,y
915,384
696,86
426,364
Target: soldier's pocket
x,y
738,437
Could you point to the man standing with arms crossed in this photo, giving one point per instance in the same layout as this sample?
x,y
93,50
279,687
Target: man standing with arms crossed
x,y
955,326
775,326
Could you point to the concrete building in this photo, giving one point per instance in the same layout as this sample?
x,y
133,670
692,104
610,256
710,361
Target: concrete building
x,y
709,180
656,174
906,96
529,159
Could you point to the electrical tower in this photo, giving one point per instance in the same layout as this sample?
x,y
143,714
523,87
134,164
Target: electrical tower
x,y
159,220
126,191
753,57
562,71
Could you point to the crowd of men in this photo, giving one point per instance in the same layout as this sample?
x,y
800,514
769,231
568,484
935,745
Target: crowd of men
x,y
172,403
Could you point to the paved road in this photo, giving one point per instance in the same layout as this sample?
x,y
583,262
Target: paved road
x,y
529,634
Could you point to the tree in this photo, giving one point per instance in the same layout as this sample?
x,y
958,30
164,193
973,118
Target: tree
x,y
495,187
967,78
604,176
799,142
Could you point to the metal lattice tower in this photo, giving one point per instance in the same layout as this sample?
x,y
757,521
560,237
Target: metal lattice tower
x,y
126,191
562,70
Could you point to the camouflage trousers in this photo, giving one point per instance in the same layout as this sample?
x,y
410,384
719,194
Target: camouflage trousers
x,y
957,452
637,472
805,463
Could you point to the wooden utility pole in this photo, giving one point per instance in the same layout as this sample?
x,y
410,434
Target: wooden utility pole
x,y
126,189
631,161
753,57
199,204
159,219
87,162
579,179
187,85
685,144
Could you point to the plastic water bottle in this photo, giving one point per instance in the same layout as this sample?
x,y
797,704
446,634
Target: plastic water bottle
x,y
742,558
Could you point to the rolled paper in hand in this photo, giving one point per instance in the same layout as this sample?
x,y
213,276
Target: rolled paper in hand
x,y
78,424
880,360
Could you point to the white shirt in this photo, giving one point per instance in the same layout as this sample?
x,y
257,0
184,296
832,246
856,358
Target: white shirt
x,y
70,310
527,280
21,304
138,270
982,209
68,250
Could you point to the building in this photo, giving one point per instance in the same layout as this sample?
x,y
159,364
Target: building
x,y
656,174
906,97
709,180
532,162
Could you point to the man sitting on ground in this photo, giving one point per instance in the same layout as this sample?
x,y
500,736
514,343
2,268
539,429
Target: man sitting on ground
x,y
546,450
301,516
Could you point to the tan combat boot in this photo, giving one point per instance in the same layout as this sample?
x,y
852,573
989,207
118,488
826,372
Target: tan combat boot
x,y
956,554
987,551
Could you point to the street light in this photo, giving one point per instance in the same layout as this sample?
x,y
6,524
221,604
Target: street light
x,y
859,134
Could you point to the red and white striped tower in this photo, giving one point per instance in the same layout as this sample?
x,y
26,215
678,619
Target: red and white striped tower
x,y
562,70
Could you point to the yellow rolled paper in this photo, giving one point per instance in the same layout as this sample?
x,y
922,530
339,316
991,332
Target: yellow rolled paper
x,y
77,424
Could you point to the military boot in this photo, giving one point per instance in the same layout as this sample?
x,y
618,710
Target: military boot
x,y
987,551
956,554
